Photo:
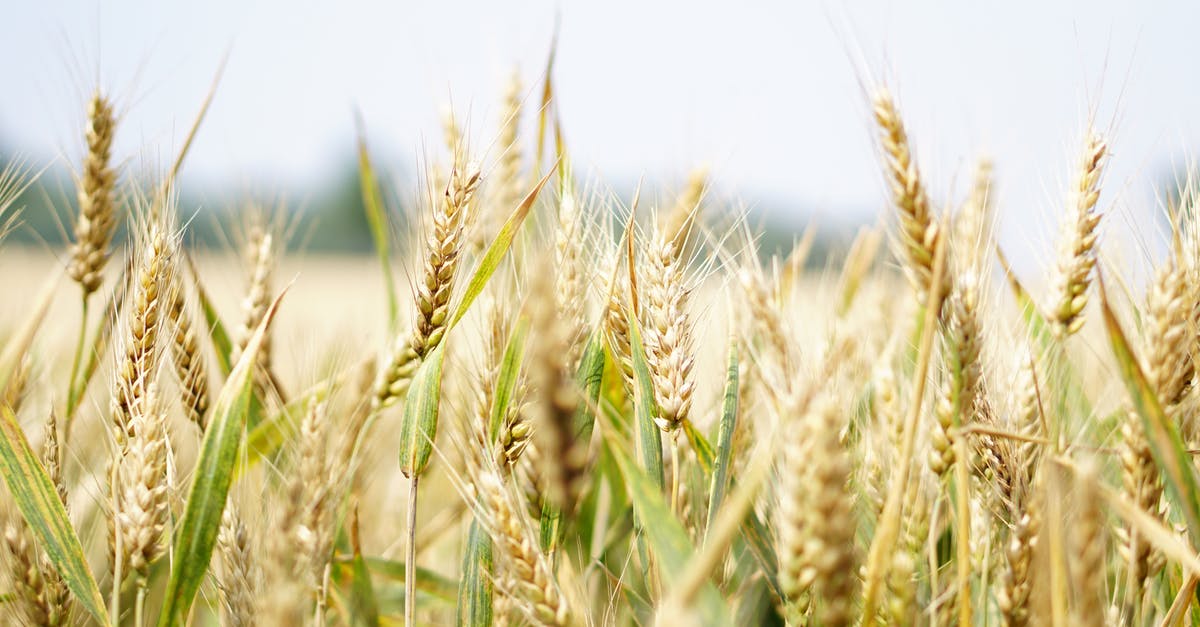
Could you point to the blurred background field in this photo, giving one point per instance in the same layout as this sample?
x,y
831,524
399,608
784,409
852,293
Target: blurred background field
x,y
768,95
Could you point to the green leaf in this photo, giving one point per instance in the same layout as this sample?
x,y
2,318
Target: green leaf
x,y
506,378
216,328
36,497
496,251
667,537
589,377
364,609
705,454
418,427
212,477
376,219
1165,442
475,588
647,435
729,414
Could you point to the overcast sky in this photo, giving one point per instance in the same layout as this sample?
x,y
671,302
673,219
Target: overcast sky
x,y
769,93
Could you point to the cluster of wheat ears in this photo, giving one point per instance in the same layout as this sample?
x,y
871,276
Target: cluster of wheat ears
x,y
596,412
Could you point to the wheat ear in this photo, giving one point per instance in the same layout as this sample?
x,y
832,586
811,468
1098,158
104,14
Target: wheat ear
x,y
527,576
189,363
97,202
668,333
239,579
1077,243
435,287
919,232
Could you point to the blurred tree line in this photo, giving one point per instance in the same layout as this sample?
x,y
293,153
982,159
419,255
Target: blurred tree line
x,y
328,216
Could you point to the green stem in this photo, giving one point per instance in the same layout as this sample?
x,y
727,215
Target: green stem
x,y
115,601
675,478
410,556
72,392
140,605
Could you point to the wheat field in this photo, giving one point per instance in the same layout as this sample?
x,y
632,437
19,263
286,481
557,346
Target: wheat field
x,y
543,403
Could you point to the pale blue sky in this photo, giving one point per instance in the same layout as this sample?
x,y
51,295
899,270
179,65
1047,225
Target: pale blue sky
x,y
768,93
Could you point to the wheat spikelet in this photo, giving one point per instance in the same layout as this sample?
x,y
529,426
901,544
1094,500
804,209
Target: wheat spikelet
x,y
879,453
140,503
615,320
563,454
190,369
25,576
441,262
1168,361
508,176
527,576
97,203
1077,244
831,519
1017,579
138,363
960,398
766,317
919,232
1142,484
259,253
1021,511
571,279
1088,547
239,579
307,519
902,604
435,287
56,597
973,224
668,334
677,223
793,533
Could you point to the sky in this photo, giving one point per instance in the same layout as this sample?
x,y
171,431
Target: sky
x,y
772,96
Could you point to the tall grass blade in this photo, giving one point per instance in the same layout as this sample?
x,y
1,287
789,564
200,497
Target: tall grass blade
x,y
729,411
475,589
418,428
